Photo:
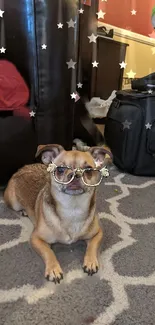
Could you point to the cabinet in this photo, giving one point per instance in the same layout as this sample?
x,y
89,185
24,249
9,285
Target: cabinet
x,y
108,76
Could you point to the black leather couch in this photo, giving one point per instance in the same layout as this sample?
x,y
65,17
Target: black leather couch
x,y
27,24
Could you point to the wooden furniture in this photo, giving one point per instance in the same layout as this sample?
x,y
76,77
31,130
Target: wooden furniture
x,y
108,76
86,130
88,25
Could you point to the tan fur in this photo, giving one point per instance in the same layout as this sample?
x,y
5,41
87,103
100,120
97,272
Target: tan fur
x,y
24,186
58,217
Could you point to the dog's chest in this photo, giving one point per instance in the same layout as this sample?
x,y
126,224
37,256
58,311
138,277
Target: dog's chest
x,y
73,223
70,222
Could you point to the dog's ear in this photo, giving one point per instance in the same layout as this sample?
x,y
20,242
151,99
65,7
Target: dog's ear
x,y
101,155
48,152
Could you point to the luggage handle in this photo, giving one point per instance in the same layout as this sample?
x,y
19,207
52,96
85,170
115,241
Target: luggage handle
x,y
118,102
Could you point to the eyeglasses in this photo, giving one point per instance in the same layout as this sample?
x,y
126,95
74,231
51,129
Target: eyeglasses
x,y
65,174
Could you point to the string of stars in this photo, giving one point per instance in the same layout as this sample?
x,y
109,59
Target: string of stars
x,y
92,39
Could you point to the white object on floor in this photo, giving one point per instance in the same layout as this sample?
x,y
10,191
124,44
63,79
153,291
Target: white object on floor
x,y
80,145
98,108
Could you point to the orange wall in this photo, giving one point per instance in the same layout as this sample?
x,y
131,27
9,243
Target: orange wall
x,y
118,13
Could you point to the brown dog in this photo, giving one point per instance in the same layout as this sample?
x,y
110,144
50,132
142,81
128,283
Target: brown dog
x,y
62,211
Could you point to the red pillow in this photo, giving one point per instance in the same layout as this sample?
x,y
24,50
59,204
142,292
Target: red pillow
x,y
14,93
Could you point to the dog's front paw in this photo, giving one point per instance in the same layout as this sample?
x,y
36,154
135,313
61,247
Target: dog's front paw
x,y
90,265
54,273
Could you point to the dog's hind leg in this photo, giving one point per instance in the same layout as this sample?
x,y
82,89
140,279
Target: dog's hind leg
x,y
10,196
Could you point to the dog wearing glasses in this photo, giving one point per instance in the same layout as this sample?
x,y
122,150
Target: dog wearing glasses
x,y
59,196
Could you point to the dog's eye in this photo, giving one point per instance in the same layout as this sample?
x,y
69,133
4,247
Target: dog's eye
x,y
63,174
88,172
92,176
89,169
61,170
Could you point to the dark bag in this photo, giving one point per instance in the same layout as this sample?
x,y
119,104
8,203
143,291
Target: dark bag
x,y
130,132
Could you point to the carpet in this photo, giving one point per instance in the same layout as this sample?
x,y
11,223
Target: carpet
x,y
122,293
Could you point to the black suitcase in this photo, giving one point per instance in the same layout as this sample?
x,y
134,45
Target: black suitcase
x,y
130,132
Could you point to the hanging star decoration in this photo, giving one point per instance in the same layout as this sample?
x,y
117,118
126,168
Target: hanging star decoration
x,y
126,124
95,64
44,46
79,85
153,50
150,91
123,65
73,95
71,23
100,14
71,64
98,163
2,49
148,126
133,12
1,13
92,38
81,11
131,74
32,114
60,25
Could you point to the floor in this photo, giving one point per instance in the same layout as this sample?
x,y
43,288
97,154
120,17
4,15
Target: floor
x,y
122,293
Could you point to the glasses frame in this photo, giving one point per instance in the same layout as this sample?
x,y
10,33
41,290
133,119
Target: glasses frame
x,y
75,171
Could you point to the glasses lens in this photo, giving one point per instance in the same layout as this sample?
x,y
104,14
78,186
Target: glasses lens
x,y
92,176
63,174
